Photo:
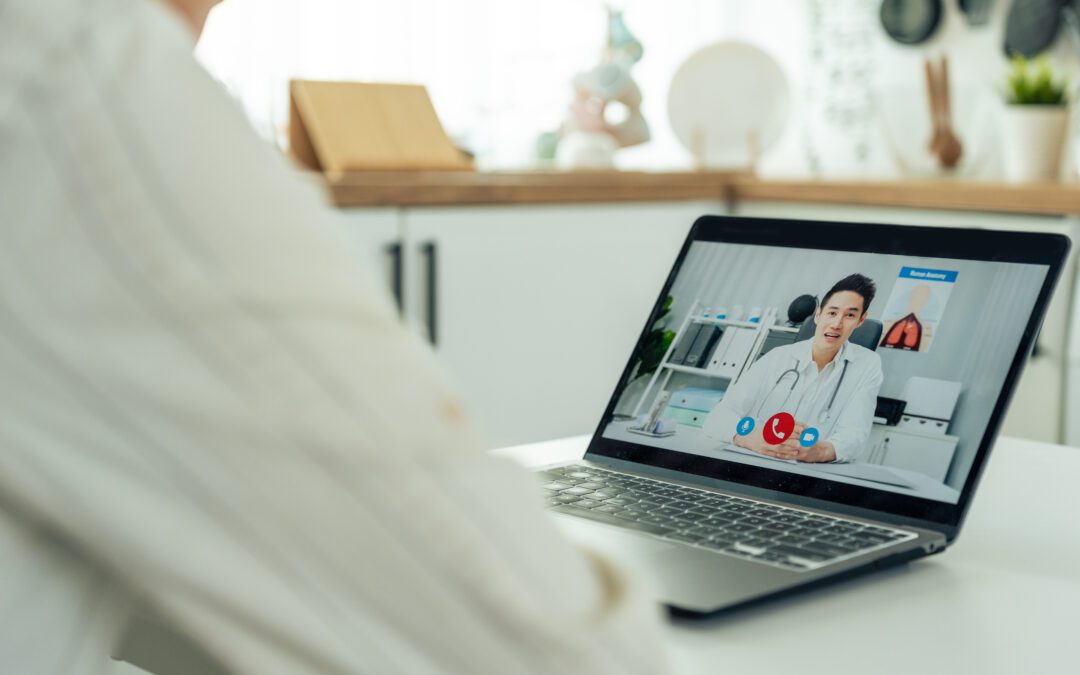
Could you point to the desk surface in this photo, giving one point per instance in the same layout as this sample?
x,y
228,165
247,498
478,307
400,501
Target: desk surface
x,y
1003,599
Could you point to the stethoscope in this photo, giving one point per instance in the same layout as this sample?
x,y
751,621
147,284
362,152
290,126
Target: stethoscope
x,y
795,371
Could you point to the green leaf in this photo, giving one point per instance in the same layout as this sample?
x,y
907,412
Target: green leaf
x,y
1034,82
656,343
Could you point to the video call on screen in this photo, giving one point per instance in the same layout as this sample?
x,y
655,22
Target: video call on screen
x,y
755,362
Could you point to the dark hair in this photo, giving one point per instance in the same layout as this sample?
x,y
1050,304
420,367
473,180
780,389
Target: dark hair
x,y
856,283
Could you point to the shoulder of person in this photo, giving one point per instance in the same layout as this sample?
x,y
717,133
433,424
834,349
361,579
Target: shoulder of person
x,y
860,355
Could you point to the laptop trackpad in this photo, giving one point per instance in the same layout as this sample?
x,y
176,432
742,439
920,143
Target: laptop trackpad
x,y
685,577
634,552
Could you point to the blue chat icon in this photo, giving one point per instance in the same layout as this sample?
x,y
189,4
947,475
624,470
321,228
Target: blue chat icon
x,y
745,426
809,437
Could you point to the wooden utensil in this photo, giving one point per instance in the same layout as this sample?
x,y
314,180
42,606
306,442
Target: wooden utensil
x,y
932,98
944,144
951,149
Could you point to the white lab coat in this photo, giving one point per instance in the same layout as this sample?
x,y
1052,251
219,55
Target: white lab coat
x,y
209,407
766,389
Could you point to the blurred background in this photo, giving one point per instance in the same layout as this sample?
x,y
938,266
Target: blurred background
x,y
499,71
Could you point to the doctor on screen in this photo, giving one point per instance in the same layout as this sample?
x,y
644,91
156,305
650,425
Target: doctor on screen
x,y
828,385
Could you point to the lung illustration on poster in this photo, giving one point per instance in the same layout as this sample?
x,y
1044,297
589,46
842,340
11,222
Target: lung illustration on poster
x,y
916,306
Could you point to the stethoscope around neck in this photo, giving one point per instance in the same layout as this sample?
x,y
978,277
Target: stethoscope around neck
x,y
795,371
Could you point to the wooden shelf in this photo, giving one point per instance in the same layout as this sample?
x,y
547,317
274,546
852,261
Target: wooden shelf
x,y
432,188
443,188
1034,198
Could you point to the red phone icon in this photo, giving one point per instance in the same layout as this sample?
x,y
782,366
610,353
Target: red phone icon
x,y
778,428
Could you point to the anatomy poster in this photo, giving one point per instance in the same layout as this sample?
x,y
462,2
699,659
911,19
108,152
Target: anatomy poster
x,y
916,307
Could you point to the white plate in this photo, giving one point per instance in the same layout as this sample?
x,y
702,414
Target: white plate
x,y
727,102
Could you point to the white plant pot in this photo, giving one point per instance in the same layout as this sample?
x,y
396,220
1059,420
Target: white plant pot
x,y
1033,137
586,150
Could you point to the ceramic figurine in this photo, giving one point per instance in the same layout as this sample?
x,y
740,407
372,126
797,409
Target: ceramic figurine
x,y
588,140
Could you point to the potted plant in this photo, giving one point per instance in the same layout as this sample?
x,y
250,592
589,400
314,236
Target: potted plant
x,y
652,352
1035,120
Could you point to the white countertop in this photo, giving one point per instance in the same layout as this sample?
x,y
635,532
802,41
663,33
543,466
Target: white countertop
x,y
1004,599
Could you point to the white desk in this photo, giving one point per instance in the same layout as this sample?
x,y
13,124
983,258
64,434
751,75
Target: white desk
x,y
1004,599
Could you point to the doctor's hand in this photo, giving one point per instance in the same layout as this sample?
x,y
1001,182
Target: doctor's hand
x,y
753,441
822,451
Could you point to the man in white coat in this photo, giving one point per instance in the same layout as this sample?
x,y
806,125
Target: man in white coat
x,y
827,385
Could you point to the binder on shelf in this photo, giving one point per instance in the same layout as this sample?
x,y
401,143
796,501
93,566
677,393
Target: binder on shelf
x,y
682,347
722,347
735,355
701,350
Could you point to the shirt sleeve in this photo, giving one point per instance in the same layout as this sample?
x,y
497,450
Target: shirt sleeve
x,y
740,400
205,396
856,419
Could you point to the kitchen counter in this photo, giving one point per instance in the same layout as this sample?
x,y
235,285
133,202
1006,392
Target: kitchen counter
x,y
443,188
480,188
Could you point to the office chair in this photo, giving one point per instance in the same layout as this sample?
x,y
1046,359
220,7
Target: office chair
x,y
867,335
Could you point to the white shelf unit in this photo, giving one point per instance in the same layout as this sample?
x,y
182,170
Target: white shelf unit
x,y
694,318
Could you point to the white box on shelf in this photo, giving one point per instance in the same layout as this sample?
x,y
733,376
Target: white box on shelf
x,y
928,397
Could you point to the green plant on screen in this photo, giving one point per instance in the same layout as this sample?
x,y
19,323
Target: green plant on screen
x,y
656,343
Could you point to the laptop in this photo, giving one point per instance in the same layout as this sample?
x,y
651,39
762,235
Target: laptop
x,y
807,402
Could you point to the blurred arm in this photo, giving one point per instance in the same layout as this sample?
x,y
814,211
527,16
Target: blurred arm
x,y
208,400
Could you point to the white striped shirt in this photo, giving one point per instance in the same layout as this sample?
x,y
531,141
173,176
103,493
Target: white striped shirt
x,y
208,408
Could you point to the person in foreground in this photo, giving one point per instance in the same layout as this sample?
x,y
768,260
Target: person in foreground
x,y
210,410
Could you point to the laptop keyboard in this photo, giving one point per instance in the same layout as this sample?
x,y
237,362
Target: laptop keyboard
x,y
744,528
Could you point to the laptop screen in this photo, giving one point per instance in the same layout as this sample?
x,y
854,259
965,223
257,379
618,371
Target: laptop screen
x,y
833,373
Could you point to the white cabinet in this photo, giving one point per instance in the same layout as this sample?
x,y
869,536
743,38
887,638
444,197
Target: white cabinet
x,y
535,310
375,237
928,454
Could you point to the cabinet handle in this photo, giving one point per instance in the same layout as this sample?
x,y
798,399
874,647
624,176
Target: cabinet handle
x,y
394,250
430,253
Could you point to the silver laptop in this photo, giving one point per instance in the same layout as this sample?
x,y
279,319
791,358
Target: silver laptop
x,y
807,402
